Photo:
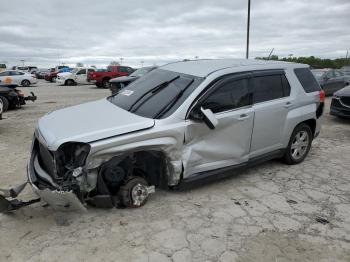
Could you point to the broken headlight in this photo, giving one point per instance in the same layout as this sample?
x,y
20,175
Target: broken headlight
x,y
70,156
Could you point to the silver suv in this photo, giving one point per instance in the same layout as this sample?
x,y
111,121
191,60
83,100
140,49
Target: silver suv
x,y
182,123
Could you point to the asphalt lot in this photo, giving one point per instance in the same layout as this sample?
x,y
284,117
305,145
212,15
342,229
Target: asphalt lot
x,y
272,212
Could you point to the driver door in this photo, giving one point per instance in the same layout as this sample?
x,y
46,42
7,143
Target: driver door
x,y
229,143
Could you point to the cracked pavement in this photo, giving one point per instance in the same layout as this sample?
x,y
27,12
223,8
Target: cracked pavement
x,y
272,212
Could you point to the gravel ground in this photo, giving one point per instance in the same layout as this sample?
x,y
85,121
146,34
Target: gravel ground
x,y
272,212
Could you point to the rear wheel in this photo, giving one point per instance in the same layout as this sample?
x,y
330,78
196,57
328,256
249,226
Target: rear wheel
x,y
299,145
25,83
5,102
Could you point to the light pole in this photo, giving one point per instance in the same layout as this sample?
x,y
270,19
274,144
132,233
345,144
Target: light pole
x,y
22,60
121,60
248,28
142,62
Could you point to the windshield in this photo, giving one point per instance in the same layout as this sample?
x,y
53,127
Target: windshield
x,y
75,70
157,94
141,71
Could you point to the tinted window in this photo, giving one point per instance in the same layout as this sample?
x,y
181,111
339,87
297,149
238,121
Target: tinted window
x,y
267,88
123,69
91,70
157,94
307,80
231,95
286,86
4,74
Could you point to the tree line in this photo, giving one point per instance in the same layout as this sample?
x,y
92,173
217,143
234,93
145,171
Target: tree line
x,y
314,62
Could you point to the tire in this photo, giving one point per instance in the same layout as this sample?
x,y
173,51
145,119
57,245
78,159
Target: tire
x,y
25,83
53,80
70,82
299,145
99,85
106,84
5,102
133,193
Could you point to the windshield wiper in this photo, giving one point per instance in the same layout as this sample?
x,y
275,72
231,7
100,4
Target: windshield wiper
x,y
152,92
173,102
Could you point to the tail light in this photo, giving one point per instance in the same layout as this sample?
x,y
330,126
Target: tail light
x,y
322,96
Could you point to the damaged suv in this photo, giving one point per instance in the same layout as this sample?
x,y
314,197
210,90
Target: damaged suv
x,y
181,123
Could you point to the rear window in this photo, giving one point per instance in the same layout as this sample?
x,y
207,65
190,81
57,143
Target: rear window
x,y
307,80
268,88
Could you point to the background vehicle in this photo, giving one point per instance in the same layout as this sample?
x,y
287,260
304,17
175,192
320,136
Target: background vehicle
x,y
40,74
340,105
331,80
118,83
21,68
77,76
13,97
2,67
346,70
13,77
1,108
101,79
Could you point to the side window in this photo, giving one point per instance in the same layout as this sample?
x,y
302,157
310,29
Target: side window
x,y
130,70
91,70
4,74
230,95
267,88
123,69
81,72
307,80
14,73
286,85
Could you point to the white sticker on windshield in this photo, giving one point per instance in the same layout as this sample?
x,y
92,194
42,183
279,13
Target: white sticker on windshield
x,y
127,92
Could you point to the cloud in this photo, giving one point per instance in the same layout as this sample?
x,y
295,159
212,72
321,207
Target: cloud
x,y
95,32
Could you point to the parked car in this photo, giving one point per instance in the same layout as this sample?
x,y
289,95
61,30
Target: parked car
x,y
13,77
120,82
331,80
340,105
52,76
41,73
2,67
1,108
101,79
182,123
77,76
12,97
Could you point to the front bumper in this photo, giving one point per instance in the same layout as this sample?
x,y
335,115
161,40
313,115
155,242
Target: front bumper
x,y
60,81
338,109
48,191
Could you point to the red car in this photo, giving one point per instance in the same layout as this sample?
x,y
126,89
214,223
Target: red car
x,y
101,78
51,76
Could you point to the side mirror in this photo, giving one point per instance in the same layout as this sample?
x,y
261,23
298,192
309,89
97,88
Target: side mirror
x,y
205,115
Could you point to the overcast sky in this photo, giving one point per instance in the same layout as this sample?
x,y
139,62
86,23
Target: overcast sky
x,y
46,32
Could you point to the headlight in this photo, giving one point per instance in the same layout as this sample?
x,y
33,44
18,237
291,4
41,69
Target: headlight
x,y
336,96
70,156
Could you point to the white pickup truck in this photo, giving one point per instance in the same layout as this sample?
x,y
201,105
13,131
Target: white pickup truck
x,y
77,77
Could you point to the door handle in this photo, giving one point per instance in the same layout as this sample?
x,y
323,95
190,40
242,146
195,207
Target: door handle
x,y
243,117
288,104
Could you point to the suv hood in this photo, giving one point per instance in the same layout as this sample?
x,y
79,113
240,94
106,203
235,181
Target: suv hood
x,y
89,122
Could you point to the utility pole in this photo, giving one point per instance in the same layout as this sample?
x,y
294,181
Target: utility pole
x,y
248,28
121,60
347,54
22,60
268,58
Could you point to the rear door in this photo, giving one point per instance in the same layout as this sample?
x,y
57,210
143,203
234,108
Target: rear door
x,y
271,104
229,143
